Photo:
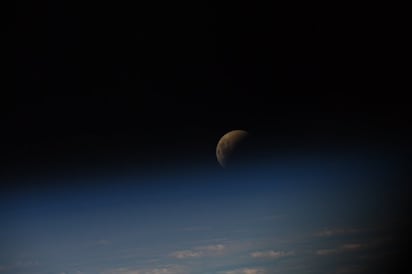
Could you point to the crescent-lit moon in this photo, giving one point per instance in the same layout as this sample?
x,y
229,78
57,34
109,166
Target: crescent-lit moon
x,y
227,144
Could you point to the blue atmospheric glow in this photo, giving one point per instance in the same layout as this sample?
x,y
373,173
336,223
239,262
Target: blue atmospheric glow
x,y
293,216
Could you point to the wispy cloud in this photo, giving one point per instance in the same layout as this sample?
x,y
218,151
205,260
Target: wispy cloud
x,y
329,232
199,251
342,248
183,254
271,254
212,248
245,271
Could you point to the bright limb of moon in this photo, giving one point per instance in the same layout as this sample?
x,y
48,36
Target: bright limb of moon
x,y
227,144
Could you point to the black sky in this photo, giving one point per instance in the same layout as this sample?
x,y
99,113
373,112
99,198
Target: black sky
x,y
103,84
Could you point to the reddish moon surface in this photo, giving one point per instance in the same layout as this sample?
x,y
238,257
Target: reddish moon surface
x,y
228,144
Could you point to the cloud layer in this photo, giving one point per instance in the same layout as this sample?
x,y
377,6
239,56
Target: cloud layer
x,y
271,254
342,248
201,251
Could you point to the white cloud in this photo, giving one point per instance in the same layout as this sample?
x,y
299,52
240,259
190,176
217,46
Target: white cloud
x,y
270,254
245,271
200,251
182,254
218,247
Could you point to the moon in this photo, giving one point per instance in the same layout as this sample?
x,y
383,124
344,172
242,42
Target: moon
x,y
227,144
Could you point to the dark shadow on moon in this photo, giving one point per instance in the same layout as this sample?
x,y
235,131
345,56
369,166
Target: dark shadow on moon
x,y
248,152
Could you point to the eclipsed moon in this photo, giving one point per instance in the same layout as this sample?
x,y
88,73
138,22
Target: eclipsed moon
x,y
228,144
